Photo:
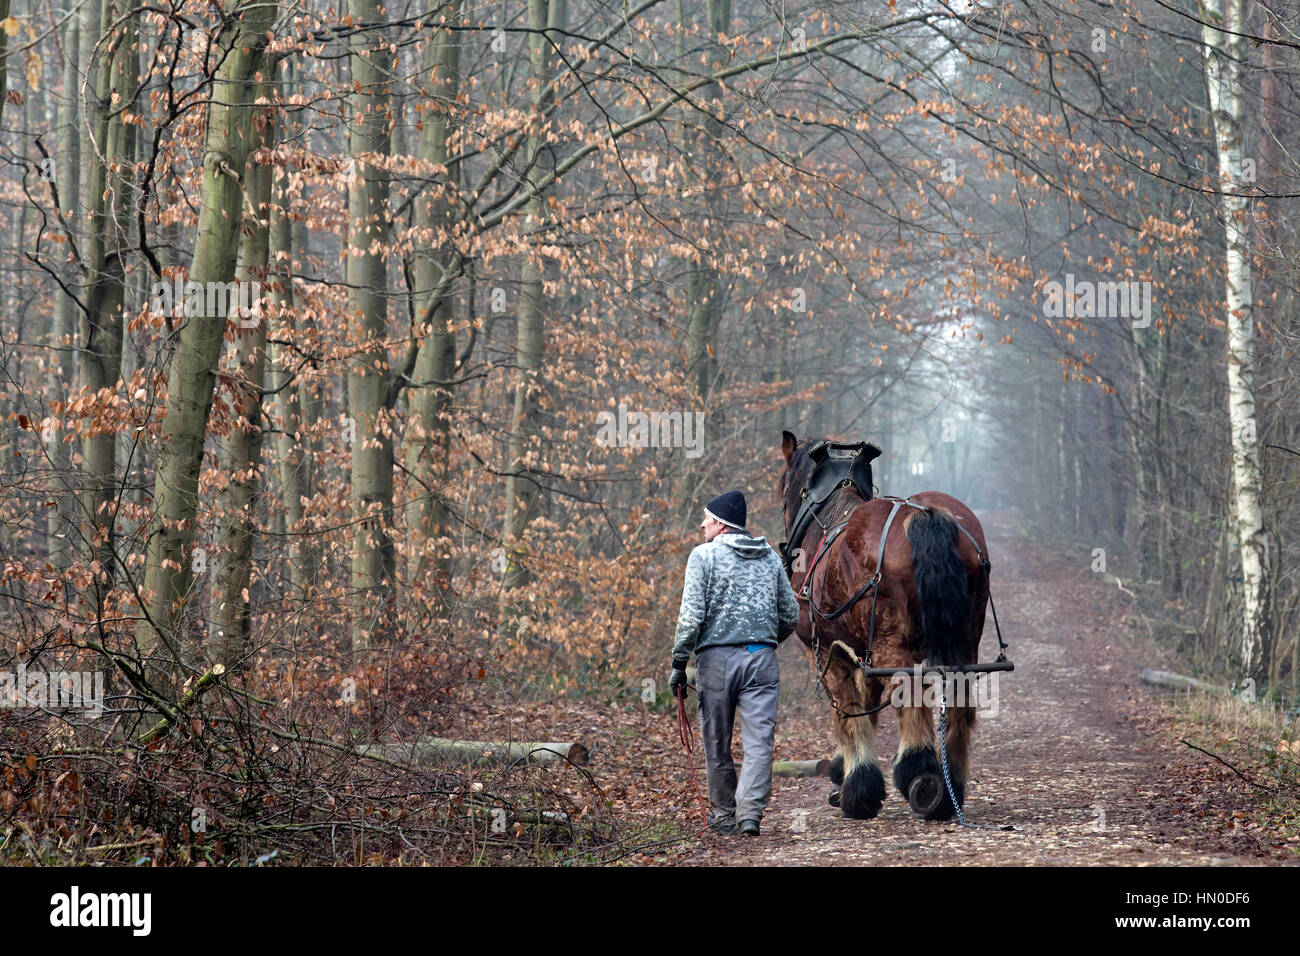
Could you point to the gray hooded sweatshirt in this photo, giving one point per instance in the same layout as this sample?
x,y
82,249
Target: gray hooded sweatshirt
x,y
736,593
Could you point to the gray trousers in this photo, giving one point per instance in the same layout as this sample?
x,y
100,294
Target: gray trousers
x,y
730,679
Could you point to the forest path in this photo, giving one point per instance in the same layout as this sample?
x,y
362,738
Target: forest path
x,y
1065,760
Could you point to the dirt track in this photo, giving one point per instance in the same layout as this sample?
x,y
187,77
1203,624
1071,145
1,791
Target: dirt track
x,y
1065,761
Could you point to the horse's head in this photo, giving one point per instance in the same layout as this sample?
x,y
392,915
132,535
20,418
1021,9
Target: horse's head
x,y
802,459
798,469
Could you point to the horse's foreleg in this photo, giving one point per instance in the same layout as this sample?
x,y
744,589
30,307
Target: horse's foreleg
x,y
861,784
837,770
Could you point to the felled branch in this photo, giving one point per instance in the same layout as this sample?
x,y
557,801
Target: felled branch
x,y
425,750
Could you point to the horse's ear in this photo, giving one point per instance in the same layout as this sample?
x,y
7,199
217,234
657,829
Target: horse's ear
x,y
788,444
871,452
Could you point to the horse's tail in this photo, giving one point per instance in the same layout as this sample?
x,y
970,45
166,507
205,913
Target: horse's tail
x,y
940,584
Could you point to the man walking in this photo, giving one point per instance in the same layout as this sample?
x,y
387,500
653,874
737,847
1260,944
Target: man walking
x,y
737,606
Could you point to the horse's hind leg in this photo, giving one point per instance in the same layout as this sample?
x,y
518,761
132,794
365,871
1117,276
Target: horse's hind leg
x,y
861,784
917,773
961,728
917,763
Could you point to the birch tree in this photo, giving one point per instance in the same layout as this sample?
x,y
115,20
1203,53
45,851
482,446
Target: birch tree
x,y
1225,50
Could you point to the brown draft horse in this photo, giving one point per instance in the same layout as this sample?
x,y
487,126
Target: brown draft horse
x,y
929,608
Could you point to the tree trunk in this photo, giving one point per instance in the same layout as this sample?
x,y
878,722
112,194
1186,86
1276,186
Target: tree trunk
x,y
4,58
293,451
68,180
521,487
1138,529
192,369
295,406
1224,53
101,326
1179,682
702,174
705,288
426,450
240,454
369,375
425,750
801,768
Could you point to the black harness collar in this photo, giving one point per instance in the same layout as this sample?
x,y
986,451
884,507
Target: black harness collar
x,y
835,465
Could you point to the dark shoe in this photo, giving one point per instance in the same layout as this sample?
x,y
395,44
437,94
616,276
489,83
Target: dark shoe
x,y
725,827
749,827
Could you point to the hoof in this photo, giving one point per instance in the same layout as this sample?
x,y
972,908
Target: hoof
x,y
926,793
863,792
919,778
833,798
911,764
837,770
945,809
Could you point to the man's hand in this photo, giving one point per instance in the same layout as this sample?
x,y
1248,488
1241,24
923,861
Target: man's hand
x,y
677,680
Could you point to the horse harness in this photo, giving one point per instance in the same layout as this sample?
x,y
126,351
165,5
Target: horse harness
x,y
835,465
856,473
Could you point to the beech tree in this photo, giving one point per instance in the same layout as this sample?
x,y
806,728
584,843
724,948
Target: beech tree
x,y
109,202
240,454
192,368
370,378
432,386
521,488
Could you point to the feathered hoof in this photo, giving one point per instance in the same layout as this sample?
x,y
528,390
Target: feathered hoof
x,y
863,792
945,810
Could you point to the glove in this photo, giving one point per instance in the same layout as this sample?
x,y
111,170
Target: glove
x,y
677,681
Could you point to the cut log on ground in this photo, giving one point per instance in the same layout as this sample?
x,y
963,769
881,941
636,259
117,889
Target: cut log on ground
x,y
426,750
801,768
526,817
1179,682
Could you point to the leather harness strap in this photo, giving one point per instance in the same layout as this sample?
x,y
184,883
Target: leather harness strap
x,y
880,561
872,585
984,563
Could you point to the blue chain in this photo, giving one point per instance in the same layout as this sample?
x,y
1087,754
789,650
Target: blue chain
x,y
943,752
